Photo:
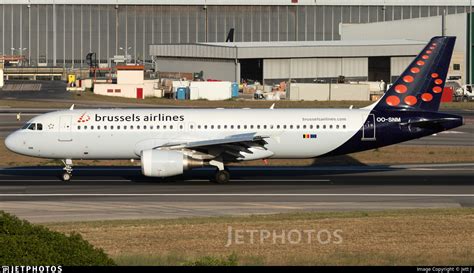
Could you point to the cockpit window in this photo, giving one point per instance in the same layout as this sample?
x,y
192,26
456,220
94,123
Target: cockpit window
x,y
33,126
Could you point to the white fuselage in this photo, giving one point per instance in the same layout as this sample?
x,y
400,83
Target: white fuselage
x,y
124,133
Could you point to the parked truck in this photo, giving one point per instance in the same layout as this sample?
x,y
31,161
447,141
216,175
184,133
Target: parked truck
x,y
464,93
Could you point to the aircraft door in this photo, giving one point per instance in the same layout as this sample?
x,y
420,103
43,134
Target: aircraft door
x,y
368,132
65,123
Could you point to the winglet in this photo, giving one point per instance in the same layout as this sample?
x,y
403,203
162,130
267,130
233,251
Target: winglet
x,y
72,107
272,107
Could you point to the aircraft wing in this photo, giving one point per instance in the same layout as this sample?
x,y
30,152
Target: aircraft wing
x,y
232,147
233,139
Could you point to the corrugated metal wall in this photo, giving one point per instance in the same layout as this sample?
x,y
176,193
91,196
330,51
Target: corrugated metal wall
x,y
63,34
315,68
213,69
398,65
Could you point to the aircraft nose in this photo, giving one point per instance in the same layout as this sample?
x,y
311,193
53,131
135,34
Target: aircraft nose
x,y
11,142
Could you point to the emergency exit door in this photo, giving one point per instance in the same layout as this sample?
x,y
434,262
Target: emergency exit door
x,y
368,132
65,128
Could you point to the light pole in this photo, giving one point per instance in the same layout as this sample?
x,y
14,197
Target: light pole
x,y
125,50
470,43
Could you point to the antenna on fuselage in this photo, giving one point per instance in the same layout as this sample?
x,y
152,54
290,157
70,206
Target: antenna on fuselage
x,y
72,107
273,106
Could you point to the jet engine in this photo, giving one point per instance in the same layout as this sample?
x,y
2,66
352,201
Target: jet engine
x,y
164,163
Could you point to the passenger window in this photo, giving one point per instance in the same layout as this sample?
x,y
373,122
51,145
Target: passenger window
x,y
284,126
251,126
324,126
105,127
144,127
164,127
278,126
212,126
311,126
138,127
337,126
85,127
98,127
79,127
171,127
238,126
297,126
157,127
205,126
218,126
330,126
271,126
291,126
125,127
111,127
245,126
264,126
180,127
151,127
232,127
118,127
131,127
225,126
317,126
304,126
258,126
344,126
92,127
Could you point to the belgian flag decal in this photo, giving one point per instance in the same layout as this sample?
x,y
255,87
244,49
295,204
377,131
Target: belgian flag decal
x,y
310,136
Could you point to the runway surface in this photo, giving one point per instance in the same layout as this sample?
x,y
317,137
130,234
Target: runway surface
x,y
122,193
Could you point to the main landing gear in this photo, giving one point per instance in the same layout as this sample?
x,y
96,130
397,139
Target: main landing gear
x,y
222,176
67,175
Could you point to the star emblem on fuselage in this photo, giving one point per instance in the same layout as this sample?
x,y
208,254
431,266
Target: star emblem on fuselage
x,y
50,126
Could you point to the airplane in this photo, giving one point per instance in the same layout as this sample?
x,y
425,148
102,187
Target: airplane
x,y
171,141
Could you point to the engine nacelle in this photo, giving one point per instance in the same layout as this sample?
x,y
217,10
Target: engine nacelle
x,y
164,163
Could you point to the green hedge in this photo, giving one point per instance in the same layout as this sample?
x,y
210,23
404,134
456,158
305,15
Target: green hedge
x,y
22,243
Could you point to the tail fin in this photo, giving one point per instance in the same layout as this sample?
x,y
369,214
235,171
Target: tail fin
x,y
421,84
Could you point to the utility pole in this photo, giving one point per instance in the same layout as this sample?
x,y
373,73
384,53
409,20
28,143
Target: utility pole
x,y
470,43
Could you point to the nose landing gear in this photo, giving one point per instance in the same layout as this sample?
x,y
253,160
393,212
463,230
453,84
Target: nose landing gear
x,y
67,175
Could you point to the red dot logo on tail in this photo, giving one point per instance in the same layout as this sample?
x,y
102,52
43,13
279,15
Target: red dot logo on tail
x,y
400,89
426,97
408,79
410,100
393,100
437,89
415,70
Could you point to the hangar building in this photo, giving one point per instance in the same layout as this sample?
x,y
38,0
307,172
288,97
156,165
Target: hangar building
x,y
381,55
299,61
